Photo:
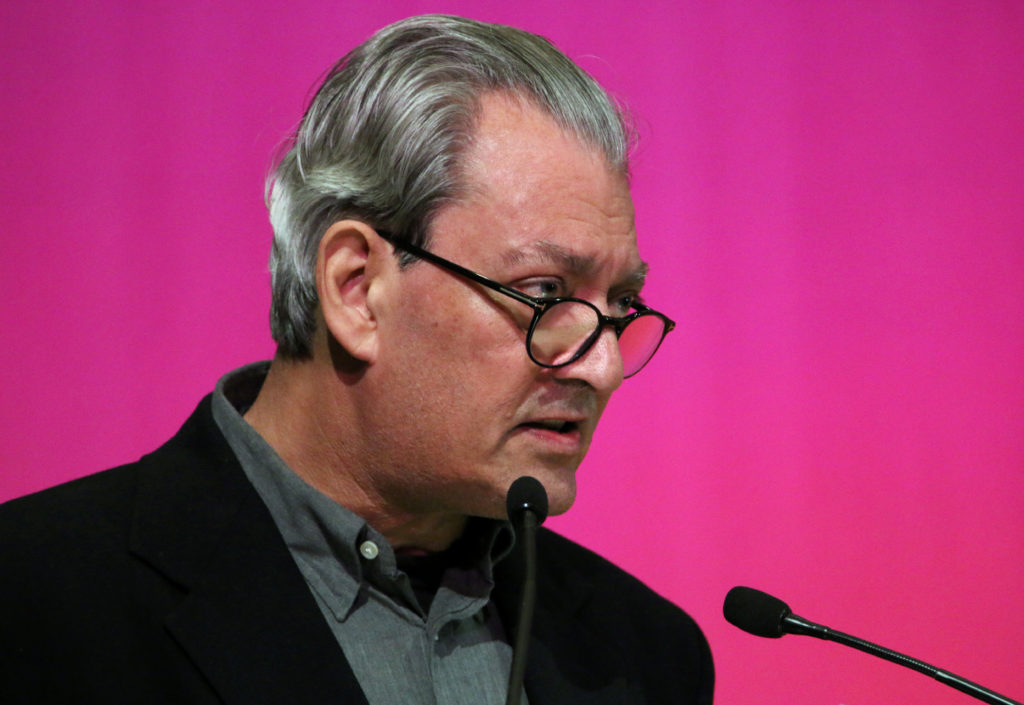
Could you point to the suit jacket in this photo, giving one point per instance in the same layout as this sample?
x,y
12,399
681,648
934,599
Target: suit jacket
x,y
167,581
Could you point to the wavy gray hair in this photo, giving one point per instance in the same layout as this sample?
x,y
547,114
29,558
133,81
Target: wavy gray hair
x,y
382,137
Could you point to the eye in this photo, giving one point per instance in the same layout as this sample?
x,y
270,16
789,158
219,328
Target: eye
x,y
622,304
542,288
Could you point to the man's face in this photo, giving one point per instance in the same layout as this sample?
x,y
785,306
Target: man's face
x,y
461,408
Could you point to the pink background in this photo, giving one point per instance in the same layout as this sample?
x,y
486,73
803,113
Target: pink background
x,y
831,196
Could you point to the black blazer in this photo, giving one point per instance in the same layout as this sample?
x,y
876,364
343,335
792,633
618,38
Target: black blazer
x,y
166,581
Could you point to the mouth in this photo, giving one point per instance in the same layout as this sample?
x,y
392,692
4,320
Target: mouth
x,y
559,426
553,436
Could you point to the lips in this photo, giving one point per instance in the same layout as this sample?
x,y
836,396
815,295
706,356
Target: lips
x,y
560,436
556,425
561,420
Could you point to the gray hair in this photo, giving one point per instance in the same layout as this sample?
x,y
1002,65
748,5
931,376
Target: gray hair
x,y
382,137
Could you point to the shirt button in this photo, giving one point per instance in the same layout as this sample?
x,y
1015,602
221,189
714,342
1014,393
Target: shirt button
x,y
369,550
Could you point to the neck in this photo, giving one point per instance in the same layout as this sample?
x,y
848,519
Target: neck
x,y
302,414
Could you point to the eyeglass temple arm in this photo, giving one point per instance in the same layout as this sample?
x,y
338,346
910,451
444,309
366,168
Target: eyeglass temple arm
x,y
644,308
458,269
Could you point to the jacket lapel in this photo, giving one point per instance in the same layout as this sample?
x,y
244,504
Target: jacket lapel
x,y
247,621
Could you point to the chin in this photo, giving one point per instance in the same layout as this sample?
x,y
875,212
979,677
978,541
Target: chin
x,y
561,491
560,504
560,488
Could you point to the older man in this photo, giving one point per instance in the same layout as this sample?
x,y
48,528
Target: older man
x,y
455,297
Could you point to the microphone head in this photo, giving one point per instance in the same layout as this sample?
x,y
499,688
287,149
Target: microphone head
x,y
527,495
756,612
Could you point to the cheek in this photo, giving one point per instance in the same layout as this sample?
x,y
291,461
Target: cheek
x,y
456,353
466,332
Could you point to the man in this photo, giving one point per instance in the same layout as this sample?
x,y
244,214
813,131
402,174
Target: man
x,y
455,296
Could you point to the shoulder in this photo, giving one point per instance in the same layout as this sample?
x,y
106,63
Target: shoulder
x,y
651,636
64,517
99,500
65,557
56,531
575,570
83,594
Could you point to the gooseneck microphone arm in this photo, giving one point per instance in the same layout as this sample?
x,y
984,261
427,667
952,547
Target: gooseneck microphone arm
x,y
527,506
761,614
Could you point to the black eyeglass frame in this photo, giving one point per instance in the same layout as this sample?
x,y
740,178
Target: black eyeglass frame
x,y
541,304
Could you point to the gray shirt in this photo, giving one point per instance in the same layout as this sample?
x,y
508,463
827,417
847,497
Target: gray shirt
x,y
405,643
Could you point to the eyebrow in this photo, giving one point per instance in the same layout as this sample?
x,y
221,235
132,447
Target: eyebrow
x,y
578,265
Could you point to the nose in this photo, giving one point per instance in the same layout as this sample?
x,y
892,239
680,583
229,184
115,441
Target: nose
x,y
600,366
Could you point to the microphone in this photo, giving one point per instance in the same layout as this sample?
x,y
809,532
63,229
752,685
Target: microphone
x,y
527,495
761,614
527,507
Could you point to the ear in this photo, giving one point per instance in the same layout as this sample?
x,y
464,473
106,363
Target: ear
x,y
347,266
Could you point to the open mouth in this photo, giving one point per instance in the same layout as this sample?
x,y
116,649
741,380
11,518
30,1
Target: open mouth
x,y
556,425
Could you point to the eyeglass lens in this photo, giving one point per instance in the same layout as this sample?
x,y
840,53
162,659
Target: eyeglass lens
x,y
568,325
639,341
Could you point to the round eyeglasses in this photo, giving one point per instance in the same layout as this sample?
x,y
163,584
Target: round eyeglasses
x,y
564,328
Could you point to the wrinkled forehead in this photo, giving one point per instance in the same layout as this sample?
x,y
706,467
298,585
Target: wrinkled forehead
x,y
536,193
578,263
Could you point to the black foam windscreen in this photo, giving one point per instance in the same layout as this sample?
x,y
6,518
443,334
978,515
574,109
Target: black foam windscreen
x,y
527,494
755,612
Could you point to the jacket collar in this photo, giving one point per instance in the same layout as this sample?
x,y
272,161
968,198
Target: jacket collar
x,y
246,619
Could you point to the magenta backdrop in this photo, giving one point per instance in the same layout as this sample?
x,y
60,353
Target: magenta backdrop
x,y
831,195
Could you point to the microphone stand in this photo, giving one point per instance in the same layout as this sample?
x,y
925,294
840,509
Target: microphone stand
x,y
527,534
527,506
798,625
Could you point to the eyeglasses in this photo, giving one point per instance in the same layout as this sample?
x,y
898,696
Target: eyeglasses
x,y
563,328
